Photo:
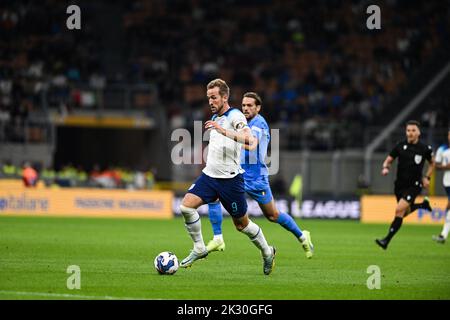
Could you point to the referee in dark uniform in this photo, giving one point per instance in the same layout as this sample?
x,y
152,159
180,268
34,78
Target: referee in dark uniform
x,y
411,154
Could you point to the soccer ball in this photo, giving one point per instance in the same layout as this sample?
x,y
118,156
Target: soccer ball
x,y
166,263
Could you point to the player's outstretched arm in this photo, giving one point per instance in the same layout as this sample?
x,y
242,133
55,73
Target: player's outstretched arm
x,y
243,135
252,146
387,165
441,166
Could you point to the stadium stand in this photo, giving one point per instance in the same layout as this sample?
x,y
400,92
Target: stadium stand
x,y
316,65
326,81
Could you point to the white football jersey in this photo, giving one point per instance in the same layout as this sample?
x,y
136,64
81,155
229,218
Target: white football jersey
x,y
224,154
443,157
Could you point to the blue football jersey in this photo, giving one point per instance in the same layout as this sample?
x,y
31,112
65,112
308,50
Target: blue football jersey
x,y
253,162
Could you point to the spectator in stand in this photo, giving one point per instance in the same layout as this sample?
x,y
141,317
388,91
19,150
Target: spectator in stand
x,y
29,175
9,171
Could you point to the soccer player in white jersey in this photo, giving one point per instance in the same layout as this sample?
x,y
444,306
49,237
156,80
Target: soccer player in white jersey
x,y
222,177
443,163
256,181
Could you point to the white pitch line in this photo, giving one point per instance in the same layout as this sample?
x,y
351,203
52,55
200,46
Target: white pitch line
x,y
68,295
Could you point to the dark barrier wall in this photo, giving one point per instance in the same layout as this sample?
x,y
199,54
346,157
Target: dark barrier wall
x,y
131,148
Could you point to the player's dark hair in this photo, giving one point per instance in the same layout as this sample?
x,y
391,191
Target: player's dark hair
x,y
254,95
413,123
222,85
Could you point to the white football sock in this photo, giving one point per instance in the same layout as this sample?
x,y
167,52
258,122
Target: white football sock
x,y
255,233
218,238
193,226
446,228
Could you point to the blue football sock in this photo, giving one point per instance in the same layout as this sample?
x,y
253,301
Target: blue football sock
x,y
287,222
215,216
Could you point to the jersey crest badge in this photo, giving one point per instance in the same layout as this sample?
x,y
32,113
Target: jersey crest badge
x,y
417,158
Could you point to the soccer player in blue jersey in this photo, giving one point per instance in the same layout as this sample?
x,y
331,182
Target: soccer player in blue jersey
x,y
222,177
256,178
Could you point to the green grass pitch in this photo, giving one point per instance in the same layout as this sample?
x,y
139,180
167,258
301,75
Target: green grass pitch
x,y
115,257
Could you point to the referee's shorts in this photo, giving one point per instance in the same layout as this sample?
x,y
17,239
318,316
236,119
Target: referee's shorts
x,y
408,192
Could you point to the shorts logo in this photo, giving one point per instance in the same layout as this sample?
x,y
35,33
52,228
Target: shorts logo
x,y
191,186
417,158
408,197
404,147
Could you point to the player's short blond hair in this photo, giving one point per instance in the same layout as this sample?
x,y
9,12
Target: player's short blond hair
x,y
222,85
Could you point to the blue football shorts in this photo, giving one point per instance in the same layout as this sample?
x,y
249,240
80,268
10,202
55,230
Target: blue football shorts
x,y
259,190
229,191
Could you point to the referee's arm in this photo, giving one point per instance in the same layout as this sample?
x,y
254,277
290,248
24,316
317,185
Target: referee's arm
x,y
426,179
387,165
